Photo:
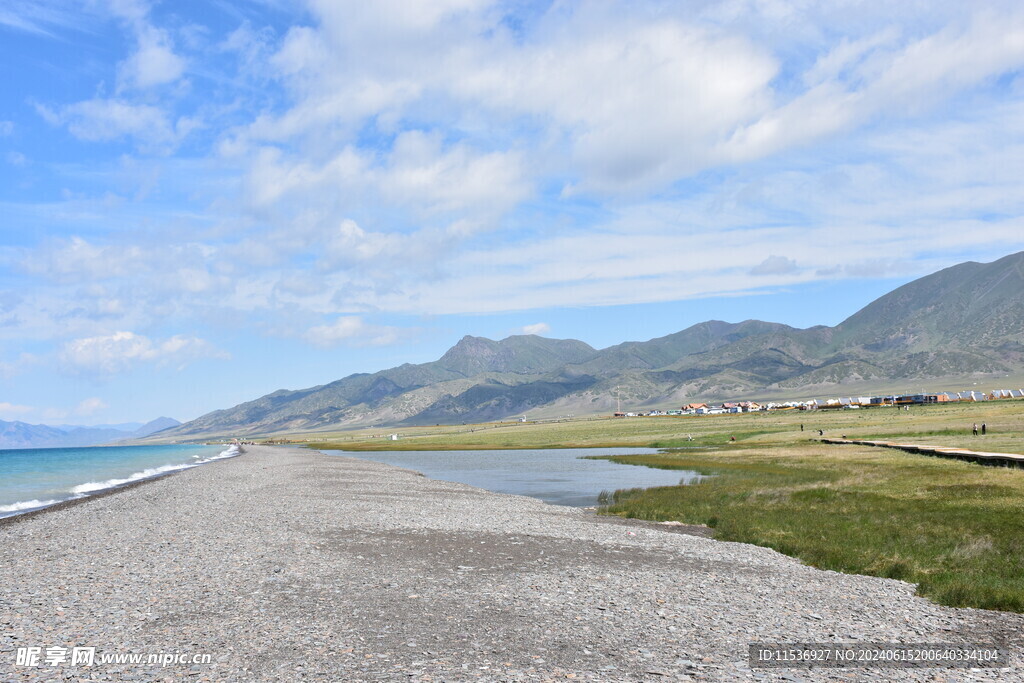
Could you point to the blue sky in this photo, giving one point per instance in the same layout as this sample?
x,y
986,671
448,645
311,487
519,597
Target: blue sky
x,y
203,202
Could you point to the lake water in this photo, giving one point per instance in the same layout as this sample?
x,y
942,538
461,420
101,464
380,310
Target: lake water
x,y
35,478
562,476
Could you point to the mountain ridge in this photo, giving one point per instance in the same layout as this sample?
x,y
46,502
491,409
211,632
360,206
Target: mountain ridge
x,y
17,434
962,320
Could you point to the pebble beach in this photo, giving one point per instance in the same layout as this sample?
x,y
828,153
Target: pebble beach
x,y
284,564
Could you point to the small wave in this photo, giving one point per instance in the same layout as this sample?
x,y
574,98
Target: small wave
x,y
229,452
24,505
93,486
84,490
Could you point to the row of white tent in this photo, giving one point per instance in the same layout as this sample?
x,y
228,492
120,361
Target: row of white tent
x,y
940,397
843,402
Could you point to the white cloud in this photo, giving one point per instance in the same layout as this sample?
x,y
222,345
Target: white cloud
x,y
352,331
124,283
75,260
133,11
352,19
899,80
636,100
537,328
436,160
45,17
121,351
774,265
253,48
11,411
6,128
154,63
387,256
642,103
473,122
420,173
90,406
19,365
148,121
104,120
423,173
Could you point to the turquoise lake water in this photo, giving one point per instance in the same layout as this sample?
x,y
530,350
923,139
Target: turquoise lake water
x,y
34,478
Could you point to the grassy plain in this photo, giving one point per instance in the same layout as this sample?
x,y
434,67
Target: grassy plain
x,y
954,528
948,425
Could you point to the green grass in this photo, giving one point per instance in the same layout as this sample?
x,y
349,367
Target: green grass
x,y
948,425
954,528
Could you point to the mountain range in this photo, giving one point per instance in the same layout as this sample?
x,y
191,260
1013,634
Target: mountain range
x,y
24,435
964,321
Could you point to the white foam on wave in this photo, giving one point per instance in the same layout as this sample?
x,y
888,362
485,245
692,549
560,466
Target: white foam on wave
x,y
93,486
229,452
22,506
83,490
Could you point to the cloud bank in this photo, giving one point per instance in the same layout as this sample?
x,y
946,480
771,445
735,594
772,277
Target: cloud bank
x,y
332,171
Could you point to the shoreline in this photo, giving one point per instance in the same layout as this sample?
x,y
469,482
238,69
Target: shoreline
x,y
592,510
363,571
71,502
61,504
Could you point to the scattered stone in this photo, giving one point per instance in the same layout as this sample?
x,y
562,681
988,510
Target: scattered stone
x,y
194,563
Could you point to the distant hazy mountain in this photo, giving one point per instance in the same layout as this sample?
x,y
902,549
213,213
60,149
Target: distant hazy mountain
x,y
964,320
121,426
23,435
154,426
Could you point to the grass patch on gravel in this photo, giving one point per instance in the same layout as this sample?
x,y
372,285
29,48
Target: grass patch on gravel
x,y
954,528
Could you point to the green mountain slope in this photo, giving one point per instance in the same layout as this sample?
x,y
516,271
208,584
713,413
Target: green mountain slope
x,y
522,354
970,305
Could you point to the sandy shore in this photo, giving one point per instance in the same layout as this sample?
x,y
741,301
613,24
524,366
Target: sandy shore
x,y
285,564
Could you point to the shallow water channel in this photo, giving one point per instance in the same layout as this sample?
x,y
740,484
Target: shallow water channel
x,y
562,476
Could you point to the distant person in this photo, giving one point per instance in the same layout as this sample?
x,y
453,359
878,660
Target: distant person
x,y
821,433
975,428
983,429
801,428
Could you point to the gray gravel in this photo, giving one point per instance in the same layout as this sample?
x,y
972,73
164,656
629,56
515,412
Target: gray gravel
x,y
285,564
